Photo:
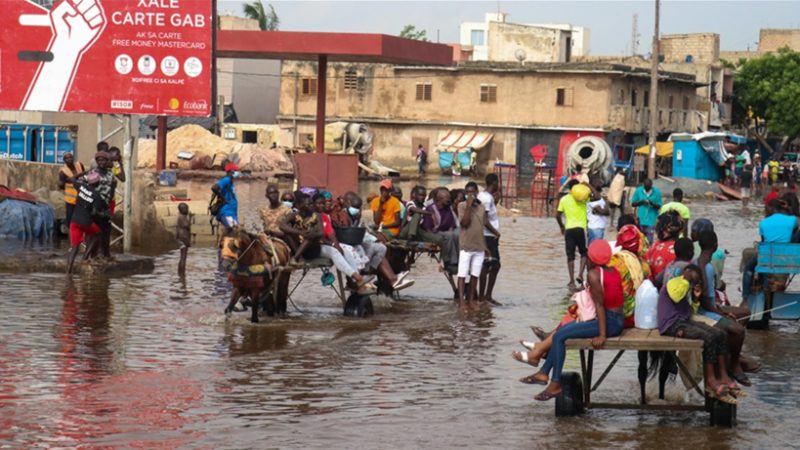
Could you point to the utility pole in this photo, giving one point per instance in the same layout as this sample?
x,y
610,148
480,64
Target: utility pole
x,y
651,161
635,35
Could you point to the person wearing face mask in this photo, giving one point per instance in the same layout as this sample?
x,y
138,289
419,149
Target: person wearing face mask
x,y
443,222
350,216
274,213
224,192
287,198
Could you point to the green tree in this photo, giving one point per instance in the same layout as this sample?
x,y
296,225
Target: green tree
x,y
769,86
411,32
267,20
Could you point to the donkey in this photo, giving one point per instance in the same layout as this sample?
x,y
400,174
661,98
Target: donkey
x,y
254,264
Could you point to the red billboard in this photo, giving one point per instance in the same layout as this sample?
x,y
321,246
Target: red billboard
x,y
107,56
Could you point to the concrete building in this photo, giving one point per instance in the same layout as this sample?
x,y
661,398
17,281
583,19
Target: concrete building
x,y
495,39
519,105
769,40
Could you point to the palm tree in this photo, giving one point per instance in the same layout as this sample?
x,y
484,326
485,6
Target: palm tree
x,y
267,20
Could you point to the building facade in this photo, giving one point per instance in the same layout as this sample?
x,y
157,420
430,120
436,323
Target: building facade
x,y
408,106
495,39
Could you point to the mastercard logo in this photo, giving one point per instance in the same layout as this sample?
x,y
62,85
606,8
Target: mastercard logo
x,y
174,103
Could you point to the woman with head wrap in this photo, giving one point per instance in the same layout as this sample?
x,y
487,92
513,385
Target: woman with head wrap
x,y
668,228
629,261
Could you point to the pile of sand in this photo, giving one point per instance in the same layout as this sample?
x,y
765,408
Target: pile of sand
x,y
209,150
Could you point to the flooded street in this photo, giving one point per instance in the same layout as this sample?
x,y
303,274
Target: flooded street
x,y
150,361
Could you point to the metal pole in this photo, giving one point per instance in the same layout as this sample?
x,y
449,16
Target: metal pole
x,y
651,161
322,78
99,129
127,155
161,144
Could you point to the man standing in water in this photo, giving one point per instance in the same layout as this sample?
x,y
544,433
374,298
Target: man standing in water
x,y
472,242
89,208
183,232
422,159
106,188
224,192
572,207
647,201
492,236
70,169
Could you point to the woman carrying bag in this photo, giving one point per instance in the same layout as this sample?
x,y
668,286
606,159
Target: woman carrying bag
x,y
605,287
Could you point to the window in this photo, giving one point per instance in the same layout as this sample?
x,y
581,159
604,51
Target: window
x,y
660,118
621,98
670,118
685,102
564,97
250,137
476,37
350,80
424,91
646,99
489,93
633,97
670,102
685,117
309,86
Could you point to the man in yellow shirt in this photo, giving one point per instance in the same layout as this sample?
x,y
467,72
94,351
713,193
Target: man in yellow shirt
x,y
573,227
386,211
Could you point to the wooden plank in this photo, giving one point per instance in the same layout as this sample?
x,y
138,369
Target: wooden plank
x,y
636,339
602,405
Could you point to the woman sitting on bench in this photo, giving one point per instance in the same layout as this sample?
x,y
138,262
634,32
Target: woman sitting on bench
x,y
605,287
675,319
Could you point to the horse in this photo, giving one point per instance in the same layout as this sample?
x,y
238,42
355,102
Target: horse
x,y
252,262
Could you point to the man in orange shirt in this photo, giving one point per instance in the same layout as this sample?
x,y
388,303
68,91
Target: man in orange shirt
x,y
386,211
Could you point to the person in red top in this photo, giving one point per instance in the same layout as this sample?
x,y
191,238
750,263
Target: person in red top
x,y
605,286
772,195
668,229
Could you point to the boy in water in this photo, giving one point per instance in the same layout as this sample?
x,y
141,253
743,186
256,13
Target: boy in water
x,y
89,208
183,232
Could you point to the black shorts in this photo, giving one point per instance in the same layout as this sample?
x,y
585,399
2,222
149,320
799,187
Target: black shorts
x,y
493,246
575,238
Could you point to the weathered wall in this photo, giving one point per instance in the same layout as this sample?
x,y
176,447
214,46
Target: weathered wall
x,y
28,176
523,98
539,44
633,116
703,47
771,40
395,144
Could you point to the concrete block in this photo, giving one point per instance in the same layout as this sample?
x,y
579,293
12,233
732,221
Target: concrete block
x,y
169,222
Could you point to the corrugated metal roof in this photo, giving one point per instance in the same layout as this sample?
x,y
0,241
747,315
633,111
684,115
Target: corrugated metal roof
x,y
455,140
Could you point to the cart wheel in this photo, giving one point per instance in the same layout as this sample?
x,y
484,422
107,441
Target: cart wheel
x,y
359,306
762,324
722,414
570,402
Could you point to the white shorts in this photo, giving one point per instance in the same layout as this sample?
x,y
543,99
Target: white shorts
x,y
228,221
745,192
470,263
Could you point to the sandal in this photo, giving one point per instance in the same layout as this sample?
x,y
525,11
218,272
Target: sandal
x,y
721,394
545,396
531,379
742,379
523,357
527,344
539,332
736,391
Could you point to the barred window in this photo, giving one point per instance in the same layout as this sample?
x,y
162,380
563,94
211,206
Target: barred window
x,y
424,91
489,93
309,86
350,80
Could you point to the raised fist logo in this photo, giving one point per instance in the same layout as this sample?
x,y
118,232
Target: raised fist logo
x,y
76,25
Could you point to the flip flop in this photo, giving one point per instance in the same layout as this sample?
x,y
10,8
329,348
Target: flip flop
x,y
527,344
531,379
736,391
742,379
539,332
523,357
545,396
405,284
721,394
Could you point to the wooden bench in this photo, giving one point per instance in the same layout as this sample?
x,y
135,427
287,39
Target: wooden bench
x,y
577,388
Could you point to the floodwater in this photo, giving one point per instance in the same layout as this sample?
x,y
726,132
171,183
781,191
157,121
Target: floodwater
x,y
149,361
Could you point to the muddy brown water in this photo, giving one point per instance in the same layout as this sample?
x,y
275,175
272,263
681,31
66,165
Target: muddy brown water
x,y
149,361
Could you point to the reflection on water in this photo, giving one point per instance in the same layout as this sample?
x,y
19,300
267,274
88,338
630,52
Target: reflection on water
x,y
149,361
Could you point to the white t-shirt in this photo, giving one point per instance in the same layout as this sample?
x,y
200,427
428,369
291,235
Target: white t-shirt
x,y
596,221
487,200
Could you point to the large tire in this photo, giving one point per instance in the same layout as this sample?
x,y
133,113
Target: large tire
x,y
359,306
570,402
722,414
591,152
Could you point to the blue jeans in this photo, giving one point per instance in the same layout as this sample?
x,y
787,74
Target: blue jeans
x,y
594,234
576,330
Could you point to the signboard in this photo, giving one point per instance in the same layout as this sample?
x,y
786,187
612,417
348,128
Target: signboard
x,y
107,56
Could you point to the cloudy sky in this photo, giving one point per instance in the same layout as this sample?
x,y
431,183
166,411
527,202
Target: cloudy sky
x,y
737,22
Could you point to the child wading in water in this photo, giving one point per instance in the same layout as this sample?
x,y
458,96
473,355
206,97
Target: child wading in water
x,y
183,232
